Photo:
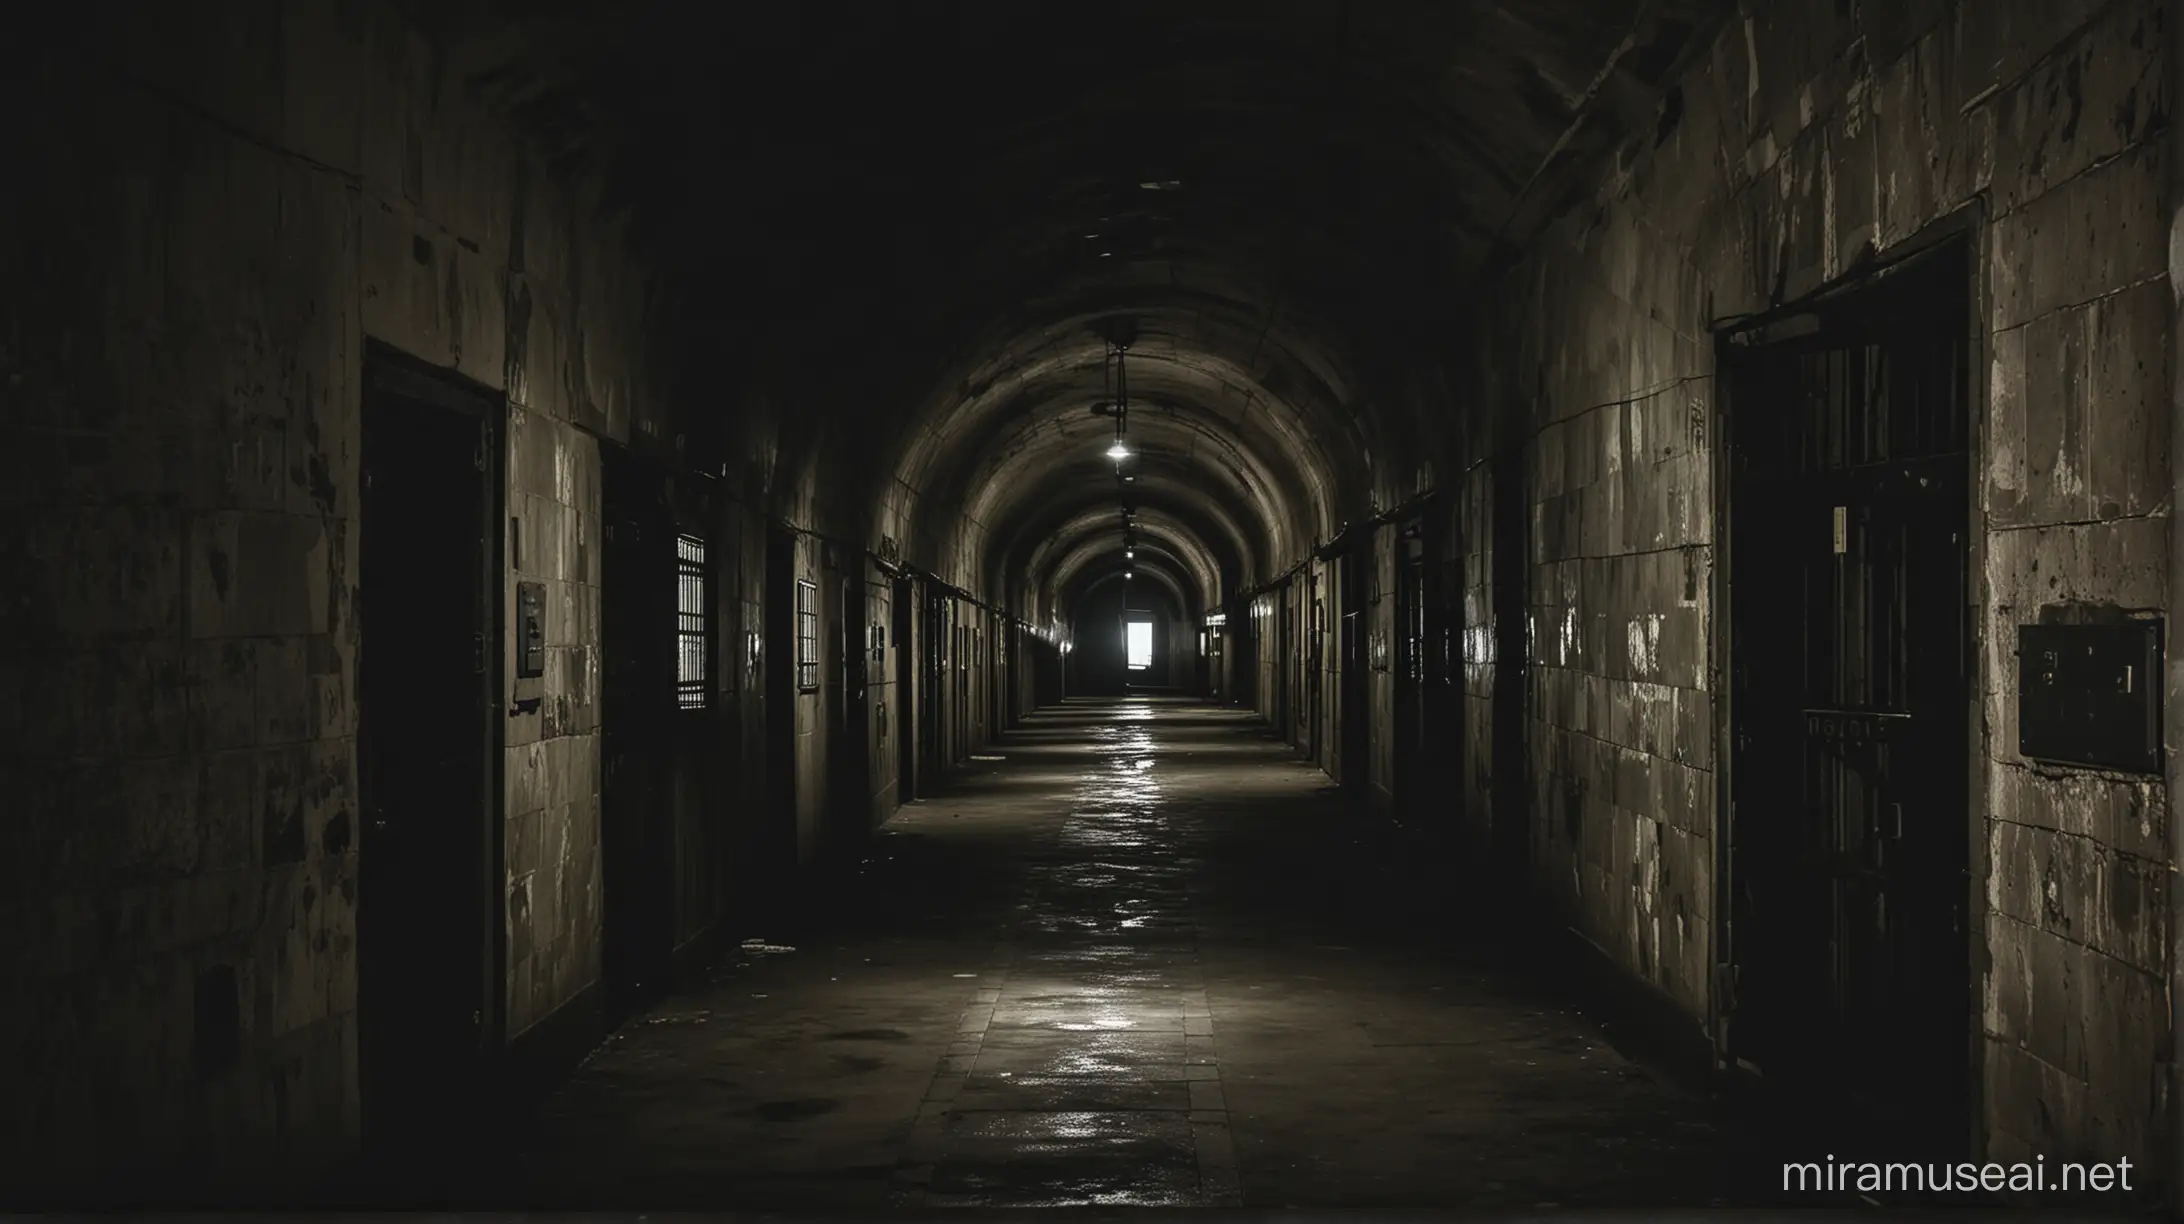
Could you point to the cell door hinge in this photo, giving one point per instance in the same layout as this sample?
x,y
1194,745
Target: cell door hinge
x,y
478,651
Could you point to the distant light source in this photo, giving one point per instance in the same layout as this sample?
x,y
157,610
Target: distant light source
x,y
1137,643
1127,575
1129,478
1130,553
1118,451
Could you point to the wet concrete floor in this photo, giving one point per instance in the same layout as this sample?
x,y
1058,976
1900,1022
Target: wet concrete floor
x,y
1142,959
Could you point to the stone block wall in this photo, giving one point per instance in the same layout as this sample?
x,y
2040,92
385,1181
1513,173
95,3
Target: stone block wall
x,y
552,774
220,208
1806,136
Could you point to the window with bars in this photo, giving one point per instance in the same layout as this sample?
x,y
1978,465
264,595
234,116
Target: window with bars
x,y
807,636
691,639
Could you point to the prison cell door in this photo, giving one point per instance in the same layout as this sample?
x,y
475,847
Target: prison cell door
x,y
1849,699
430,722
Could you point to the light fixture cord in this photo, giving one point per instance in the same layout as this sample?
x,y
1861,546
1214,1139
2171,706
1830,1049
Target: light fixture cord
x,y
1122,390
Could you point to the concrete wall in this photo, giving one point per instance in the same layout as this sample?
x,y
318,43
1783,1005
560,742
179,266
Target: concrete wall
x,y
552,774
215,210
1807,134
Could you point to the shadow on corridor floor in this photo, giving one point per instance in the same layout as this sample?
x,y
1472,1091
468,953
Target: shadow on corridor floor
x,y
1144,958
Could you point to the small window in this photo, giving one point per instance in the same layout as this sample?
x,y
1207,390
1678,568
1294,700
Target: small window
x,y
807,636
690,637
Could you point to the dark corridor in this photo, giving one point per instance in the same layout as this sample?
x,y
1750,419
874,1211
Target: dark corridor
x,y
812,606
1111,994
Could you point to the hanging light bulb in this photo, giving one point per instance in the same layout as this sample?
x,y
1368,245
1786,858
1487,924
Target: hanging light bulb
x,y
1118,451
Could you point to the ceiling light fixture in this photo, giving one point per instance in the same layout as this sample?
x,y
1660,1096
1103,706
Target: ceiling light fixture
x,y
1117,404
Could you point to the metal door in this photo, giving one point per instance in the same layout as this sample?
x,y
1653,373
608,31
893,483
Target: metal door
x,y
1849,697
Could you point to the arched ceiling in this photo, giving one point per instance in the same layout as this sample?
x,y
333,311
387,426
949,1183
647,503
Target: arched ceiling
x,y
1192,523
911,223
1141,591
1092,560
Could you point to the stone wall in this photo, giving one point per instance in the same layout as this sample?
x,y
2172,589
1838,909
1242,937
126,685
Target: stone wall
x,y
552,774
217,209
1806,135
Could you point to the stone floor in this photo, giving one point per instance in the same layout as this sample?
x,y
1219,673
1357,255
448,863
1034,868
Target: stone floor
x,y
1140,959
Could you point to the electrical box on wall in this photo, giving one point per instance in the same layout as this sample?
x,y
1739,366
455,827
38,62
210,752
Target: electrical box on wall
x,y
2091,694
530,629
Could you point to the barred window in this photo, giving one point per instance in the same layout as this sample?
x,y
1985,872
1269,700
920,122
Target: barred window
x,y
691,639
807,635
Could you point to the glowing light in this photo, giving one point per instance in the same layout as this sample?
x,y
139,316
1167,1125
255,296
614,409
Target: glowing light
x,y
1138,641
1118,451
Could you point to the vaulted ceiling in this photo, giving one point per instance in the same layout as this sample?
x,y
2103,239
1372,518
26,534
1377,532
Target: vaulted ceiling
x,y
913,220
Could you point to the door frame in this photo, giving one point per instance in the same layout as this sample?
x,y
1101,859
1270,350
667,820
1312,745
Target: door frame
x,y
1966,225
388,372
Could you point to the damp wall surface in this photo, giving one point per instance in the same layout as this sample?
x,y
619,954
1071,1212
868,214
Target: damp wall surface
x,y
220,212
1804,140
